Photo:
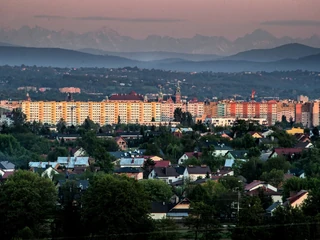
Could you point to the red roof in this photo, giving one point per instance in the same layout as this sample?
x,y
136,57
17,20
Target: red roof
x,y
287,151
294,198
253,184
193,154
266,191
163,163
132,96
7,174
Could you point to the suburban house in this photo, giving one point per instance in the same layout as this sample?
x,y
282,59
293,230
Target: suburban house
x,y
79,152
253,188
221,150
289,153
72,162
188,155
122,143
49,173
304,145
6,167
180,211
43,165
256,134
294,130
195,172
237,154
272,208
153,158
167,174
296,200
132,162
267,133
159,210
130,172
164,163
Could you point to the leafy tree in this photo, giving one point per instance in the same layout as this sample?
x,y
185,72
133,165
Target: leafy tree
x,y
57,152
177,115
252,169
157,191
165,229
310,162
191,161
115,205
294,184
203,218
274,177
254,152
26,201
285,140
88,124
61,126
279,163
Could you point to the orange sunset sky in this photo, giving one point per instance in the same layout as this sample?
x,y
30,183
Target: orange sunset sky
x,y
176,18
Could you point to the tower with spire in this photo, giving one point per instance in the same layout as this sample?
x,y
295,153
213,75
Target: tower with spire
x,y
178,94
160,95
28,97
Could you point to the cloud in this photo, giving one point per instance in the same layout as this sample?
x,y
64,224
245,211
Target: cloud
x,y
292,23
119,19
49,16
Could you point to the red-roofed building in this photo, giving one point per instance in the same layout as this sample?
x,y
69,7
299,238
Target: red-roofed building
x,y
188,155
163,164
132,96
297,199
286,152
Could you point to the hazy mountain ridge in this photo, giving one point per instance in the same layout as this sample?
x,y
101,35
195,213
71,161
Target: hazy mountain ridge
x,y
109,40
69,58
288,51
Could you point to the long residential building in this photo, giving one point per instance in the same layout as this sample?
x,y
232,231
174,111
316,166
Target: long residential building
x,y
119,108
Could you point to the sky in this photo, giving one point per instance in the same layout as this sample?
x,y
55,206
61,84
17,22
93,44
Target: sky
x,y
176,18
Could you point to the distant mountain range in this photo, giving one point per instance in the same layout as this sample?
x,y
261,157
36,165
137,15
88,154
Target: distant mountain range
x,y
69,58
106,39
288,51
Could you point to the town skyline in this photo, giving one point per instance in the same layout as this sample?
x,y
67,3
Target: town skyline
x,y
230,19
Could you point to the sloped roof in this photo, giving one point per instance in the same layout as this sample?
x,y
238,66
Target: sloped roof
x,y
229,163
198,169
193,154
296,197
42,165
253,184
273,206
163,163
132,96
239,153
287,151
302,145
161,207
165,172
131,161
6,165
127,170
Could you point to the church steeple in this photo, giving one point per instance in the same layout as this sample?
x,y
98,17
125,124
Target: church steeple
x,y
160,95
28,97
178,93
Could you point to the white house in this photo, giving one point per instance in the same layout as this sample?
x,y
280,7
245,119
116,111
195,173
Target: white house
x,y
167,174
188,155
195,172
